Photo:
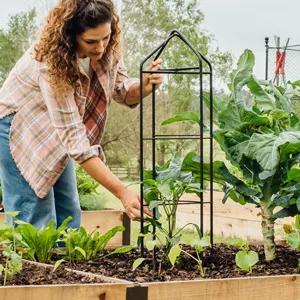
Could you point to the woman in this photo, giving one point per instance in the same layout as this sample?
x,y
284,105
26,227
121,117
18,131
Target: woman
x,y
53,108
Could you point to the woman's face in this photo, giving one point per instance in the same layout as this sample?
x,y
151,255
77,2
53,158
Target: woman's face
x,y
92,42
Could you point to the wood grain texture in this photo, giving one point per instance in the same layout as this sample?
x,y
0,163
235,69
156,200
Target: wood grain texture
x,y
104,291
255,288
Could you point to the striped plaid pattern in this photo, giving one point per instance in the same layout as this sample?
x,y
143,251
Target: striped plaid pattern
x,y
47,128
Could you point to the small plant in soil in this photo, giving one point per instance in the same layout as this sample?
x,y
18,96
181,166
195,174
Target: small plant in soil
x,y
259,132
12,265
245,258
198,245
37,244
292,235
165,192
80,245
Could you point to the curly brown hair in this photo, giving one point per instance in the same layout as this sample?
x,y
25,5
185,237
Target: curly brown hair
x,y
57,42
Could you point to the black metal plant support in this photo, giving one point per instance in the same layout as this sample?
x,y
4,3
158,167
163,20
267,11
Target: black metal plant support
x,y
198,70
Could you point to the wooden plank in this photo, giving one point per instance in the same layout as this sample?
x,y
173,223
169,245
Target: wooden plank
x,y
251,288
230,219
106,291
2,218
104,220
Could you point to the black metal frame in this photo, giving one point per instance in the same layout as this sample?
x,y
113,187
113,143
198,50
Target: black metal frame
x,y
154,137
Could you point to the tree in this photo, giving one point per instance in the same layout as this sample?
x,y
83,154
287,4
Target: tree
x,y
15,40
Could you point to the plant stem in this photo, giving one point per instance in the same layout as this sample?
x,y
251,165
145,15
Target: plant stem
x,y
267,225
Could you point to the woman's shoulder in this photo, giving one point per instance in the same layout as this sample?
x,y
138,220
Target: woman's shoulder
x,y
27,68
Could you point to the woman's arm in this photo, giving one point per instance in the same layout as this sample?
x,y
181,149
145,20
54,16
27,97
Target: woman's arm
x,y
129,198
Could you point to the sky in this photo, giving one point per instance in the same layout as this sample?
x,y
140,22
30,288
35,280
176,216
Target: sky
x,y
235,24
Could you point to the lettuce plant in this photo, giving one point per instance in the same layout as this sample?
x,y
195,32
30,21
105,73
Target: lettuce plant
x,y
37,243
259,133
81,245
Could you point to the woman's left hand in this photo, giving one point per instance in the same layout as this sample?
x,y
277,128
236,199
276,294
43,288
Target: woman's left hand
x,y
155,78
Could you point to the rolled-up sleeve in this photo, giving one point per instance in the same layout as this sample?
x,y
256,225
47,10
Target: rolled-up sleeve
x,y
122,84
67,122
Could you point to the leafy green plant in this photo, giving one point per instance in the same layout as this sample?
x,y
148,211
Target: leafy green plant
x,y
165,191
12,266
259,132
85,183
245,258
37,243
90,198
292,233
198,245
81,245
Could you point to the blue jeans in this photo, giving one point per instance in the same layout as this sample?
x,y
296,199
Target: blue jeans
x,y
61,202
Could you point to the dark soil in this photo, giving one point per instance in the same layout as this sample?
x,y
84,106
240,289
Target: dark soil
x,y
36,275
218,263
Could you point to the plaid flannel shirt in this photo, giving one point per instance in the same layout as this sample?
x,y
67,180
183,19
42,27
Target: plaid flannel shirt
x,y
48,129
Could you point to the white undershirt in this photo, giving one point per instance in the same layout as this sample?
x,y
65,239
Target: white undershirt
x,y
84,66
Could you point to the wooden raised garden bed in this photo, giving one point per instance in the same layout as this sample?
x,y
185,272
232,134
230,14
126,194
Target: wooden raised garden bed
x,y
254,288
38,279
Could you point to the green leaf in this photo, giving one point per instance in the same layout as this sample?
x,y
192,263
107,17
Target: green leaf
x,y
235,242
265,147
80,250
122,250
57,264
151,244
264,100
201,244
246,260
154,204
297,222
186,116
105,238
293,240
243,73
12,214
137,263
174,253
294,175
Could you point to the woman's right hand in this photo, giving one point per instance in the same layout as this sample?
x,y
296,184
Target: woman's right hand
x,y
129,198
131,201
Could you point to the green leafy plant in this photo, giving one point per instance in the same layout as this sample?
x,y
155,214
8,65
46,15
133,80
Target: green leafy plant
x,y
259,132
37,244
198,245
245,258
165,191
89,196
81,245
12,266
292,233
